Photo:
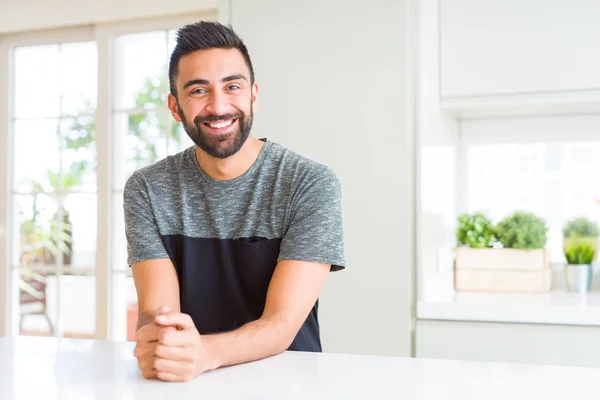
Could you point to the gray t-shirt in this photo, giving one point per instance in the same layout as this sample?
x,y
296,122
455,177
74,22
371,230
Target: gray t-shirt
x,y
226,237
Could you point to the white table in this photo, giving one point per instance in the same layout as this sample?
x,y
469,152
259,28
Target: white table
x,y
48,368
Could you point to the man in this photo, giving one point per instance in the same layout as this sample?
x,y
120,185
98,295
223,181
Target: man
x,y
230,241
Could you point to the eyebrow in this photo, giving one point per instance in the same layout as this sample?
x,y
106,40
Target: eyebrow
x,y
206,82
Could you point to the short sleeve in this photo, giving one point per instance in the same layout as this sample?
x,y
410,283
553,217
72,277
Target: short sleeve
x,y
315,229
143,237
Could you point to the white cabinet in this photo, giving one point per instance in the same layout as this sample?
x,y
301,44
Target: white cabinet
x,y
513,343
519,47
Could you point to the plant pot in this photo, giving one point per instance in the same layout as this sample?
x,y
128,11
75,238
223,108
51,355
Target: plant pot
x,y
579,277
502,270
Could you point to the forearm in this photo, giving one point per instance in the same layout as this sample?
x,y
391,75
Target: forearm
x,y
259,339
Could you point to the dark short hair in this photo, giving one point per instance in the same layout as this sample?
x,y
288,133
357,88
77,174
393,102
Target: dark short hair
x,y
205,35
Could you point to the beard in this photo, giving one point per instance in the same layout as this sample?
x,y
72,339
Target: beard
x,y
218,146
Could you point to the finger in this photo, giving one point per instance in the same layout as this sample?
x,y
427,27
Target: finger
x,y
182,321
146,363
169,377
181,369
170,336
173,353
149,373
147,333
145,348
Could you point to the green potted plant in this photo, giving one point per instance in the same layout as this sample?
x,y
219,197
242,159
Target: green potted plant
x,y
522,230
581,227
475,231
520,264
579,253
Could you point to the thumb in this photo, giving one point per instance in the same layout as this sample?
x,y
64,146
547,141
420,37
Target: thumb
x,y
163,310
179,320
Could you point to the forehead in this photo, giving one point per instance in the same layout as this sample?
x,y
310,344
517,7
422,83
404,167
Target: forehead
x,y
212,65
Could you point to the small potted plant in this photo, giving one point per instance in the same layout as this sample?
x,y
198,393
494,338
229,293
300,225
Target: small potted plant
x,y
583,228
521,264
579,253
475,231
522,231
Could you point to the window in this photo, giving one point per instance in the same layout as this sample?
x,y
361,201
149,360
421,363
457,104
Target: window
x,y
143,132
53,258
557,181
544,165
88,106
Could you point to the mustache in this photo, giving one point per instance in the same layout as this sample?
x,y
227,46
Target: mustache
x,y
200,119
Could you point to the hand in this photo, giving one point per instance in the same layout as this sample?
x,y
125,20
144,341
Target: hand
x,y
180,354
146,341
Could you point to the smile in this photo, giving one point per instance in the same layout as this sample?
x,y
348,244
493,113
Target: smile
x,y
219,124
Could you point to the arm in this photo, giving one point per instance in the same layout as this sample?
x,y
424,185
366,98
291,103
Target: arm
x,y
156,285
182,353
294,289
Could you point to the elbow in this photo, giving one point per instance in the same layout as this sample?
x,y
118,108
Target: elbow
x,y
285,333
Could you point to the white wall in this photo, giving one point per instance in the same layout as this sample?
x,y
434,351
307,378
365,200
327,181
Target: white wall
x,y
514,343
334,86
27,15
492,47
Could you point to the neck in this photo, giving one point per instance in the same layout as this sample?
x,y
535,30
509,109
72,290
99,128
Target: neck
x,y
223,169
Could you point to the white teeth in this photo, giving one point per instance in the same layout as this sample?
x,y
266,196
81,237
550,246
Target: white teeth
x,y
219,125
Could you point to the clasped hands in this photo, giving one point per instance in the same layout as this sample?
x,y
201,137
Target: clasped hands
x,y
170,348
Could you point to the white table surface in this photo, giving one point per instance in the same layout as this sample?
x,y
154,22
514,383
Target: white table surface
x,y
48,368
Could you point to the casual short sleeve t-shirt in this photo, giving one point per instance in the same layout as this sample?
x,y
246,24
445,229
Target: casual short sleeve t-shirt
x,y
226,237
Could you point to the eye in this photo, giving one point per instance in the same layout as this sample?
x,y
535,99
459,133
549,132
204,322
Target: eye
x,y
198,91
233,87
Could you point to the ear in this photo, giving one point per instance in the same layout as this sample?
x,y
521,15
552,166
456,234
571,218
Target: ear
x,y
173,108
254,97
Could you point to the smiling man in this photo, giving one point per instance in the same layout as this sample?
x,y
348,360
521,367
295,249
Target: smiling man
x,y
230,241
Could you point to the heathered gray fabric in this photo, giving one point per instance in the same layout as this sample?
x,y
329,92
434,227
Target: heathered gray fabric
x,y
283,195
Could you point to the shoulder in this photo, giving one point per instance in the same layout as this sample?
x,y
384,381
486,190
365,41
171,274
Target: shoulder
x,y
301,168
162,174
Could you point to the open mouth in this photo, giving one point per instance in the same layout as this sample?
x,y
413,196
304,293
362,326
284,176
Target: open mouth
x,y
221,125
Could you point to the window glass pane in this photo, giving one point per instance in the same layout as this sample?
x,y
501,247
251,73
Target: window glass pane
x,y
49,305
79,77
141,70
555,181
36,154
139,141
80,226
37,81
34,230
35,294
78,154
125,307
77,305
172,41
118,239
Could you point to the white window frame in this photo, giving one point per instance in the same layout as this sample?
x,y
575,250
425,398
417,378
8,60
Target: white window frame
x,y
104,36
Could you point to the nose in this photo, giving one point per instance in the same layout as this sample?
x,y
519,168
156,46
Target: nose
x,y
218,104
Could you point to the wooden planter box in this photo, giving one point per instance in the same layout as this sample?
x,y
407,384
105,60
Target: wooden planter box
x,y
502,270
